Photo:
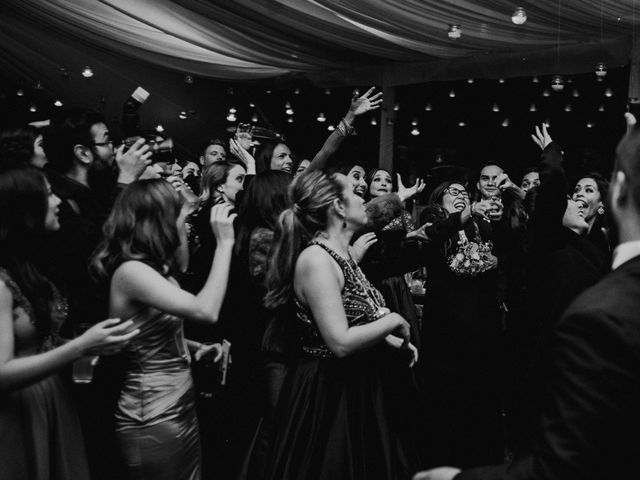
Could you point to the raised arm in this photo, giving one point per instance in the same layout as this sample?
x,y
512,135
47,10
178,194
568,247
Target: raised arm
x,y
318,282
359,105
137,283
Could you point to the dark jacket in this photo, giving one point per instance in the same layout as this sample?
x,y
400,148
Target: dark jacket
x,y
591,419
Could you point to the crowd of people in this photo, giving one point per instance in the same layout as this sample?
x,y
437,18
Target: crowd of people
x,y
153,269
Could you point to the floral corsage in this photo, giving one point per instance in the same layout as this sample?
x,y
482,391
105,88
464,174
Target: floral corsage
x,y
472,257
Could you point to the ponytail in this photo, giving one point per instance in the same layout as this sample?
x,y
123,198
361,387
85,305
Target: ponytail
x,y
311,195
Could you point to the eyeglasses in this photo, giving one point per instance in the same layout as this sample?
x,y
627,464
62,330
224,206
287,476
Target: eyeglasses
x,y
454,192
103,144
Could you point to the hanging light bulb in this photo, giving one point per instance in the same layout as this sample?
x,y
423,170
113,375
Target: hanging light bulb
x,y
505,122
287,105
601,108
589,124
331,128
545,93
462,124
396,107
533,108
557,83
290,120
183,115
20,93
38,86
374,121
414,122
231,117
159,128
188,79
470,80
519,16
296,91
608,93
501,80
252,105
87,72
232,110
495,108
454,32
254,117
601,70
575,93
57,103
535,80
289,111
415,132
452,94
33,108
356,92
321,118
428,107
327,92
567,107
547,123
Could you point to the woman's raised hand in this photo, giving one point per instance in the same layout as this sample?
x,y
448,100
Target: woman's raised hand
x,y
405,193
106,338
365,103
360,247
542,137
221,221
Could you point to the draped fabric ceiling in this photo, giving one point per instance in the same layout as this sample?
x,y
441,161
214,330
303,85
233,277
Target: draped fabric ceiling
x,y
332,42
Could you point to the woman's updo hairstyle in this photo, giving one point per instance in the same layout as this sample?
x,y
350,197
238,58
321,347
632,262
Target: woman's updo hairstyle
x,y
311,198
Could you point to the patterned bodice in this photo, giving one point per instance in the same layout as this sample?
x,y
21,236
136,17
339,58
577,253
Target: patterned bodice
x,y
28,340
360,299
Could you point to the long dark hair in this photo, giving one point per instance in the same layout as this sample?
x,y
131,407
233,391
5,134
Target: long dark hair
x,y
142,226
23,209
264,154
311,196
263,202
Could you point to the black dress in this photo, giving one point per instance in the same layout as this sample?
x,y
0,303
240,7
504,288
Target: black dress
x,y
339,417
460,354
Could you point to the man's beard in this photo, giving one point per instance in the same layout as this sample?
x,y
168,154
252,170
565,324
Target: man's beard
x,y
102,177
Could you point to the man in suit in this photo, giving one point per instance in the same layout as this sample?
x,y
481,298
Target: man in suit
x,y
591,415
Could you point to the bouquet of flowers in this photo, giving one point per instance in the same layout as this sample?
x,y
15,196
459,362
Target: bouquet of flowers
x,y
471,257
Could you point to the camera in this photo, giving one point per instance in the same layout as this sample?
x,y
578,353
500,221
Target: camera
x,y
161,150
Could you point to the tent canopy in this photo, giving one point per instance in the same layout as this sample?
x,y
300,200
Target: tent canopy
x,y
332,42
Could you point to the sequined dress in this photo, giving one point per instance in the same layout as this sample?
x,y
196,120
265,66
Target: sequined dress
x,y
156,424
340,418
40,433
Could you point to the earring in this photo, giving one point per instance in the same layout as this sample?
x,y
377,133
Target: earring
x,y
601,211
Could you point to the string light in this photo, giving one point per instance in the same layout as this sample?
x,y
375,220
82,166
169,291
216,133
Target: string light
x,y
454,32
601,70
557,83
87,72
519,16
